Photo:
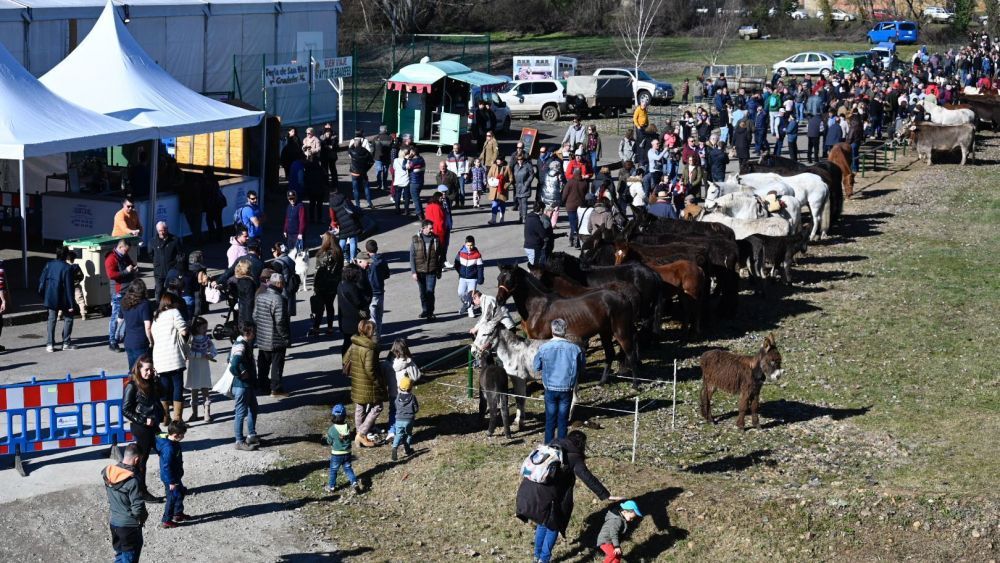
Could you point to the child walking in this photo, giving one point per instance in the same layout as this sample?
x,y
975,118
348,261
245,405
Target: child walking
x,y
199,372
478,173
615,524
469,263
407,408
340,437
397,365
168,446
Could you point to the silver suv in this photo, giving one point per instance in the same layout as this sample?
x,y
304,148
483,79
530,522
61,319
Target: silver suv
x,y
937,14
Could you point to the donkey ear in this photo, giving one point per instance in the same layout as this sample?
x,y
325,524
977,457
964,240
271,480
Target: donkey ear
x,y
769,342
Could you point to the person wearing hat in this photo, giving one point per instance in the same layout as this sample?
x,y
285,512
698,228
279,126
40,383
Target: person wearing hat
x,y
580,163
270,315
295,221
662,208
615,524
338,436
407,408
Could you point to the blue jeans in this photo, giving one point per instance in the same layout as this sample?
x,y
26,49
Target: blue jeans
x,y
403,430
466,285
381,175
173,384
651,179
245,407
67,332
593,161
800,109
557,405
127,543
545,540
115,329
461,190
357,183
376,310
574,221
855,156
414,194
425,285
173,502
777,145
133,354
497,207
336,462
354,246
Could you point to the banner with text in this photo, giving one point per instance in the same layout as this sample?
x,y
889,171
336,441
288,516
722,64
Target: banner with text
x,y
336,67
278,76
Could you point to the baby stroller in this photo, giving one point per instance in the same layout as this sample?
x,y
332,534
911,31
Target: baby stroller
x,y
227,330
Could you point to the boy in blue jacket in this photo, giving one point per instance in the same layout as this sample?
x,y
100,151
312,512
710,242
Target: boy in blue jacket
x,y
168,446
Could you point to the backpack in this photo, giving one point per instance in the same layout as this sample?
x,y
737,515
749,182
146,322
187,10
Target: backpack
x,y
238,218
542,464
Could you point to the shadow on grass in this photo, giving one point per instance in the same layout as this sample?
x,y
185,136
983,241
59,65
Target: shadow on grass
x,y
733,463
654,506
854,227
332,556
786,412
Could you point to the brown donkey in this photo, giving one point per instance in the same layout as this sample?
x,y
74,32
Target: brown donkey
x,y
736,374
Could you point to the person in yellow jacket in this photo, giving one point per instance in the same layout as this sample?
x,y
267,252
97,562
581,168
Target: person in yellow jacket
x,y
640,118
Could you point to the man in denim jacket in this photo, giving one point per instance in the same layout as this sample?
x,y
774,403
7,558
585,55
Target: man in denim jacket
x,y
560,363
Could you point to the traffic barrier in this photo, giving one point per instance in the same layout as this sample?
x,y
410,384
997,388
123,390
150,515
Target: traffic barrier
x,y
61,414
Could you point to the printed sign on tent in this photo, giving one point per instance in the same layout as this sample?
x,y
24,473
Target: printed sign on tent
x,y
278,76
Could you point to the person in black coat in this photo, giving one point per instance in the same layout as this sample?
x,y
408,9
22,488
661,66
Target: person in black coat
x,y
166,249
55,287
741,141
345,221
537,235
717,161
353,301
550,505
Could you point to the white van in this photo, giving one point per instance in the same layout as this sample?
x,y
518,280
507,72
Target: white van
x,y
545,98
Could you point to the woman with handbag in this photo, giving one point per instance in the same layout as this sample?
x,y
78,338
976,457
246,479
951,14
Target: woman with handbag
x,y
498,180
137,318
141,407
170,349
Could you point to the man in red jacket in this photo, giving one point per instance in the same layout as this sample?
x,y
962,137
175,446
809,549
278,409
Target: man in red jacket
x,y
121,271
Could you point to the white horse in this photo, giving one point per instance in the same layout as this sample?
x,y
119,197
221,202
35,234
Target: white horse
x,y
517,355
771,226
807,188
945,116
742,196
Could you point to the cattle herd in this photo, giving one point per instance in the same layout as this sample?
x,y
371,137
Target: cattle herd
x,y
628,280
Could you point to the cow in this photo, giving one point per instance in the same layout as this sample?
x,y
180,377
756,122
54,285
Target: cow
x,y
943,116
928,137
736,374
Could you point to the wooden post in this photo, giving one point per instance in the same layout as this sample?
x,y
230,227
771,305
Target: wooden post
x,y
635,429
673,409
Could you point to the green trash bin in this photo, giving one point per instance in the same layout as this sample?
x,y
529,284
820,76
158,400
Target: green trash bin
x,y
90,252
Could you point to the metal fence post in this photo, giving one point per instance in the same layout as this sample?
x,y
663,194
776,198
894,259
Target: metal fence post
x,y
354,84
263,82
468,388
309,89
489,54
863,159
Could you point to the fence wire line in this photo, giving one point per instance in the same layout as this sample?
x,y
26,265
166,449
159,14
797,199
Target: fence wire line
x,y
632,412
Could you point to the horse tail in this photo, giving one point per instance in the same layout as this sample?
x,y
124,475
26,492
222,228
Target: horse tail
x,y
825,218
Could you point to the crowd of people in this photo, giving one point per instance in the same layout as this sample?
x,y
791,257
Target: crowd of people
x,y
168,345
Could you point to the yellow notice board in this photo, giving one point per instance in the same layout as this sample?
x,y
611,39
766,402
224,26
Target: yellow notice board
x,y
222,149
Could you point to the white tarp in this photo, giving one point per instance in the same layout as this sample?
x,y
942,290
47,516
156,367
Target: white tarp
x,y
110,73
35,122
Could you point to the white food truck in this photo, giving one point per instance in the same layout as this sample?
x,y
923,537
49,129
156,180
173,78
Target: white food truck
x,y
531,67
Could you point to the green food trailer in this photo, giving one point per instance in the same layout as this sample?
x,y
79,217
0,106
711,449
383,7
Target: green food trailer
x,y
850,61
434,101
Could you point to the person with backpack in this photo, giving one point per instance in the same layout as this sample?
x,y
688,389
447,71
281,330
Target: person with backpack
x,y
360,151
381,145
560,362
545,495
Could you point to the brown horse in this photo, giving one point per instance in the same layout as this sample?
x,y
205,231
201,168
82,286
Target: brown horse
x,y
683,276
602,312
840,155
568,287
742,375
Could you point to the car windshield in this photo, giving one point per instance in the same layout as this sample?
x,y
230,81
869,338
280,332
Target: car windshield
x,y
644,76
507,87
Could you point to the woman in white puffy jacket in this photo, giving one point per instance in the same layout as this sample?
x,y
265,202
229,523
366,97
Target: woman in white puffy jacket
x,y
636,191
397,365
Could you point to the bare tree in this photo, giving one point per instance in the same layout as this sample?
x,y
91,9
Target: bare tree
x,y
635,21
993,17
723,29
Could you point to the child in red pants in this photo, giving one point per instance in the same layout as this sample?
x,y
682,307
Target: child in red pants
x,y
615,524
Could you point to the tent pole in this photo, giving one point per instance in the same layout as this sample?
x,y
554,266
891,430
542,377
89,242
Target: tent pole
x,y
263,161
154,163
24,221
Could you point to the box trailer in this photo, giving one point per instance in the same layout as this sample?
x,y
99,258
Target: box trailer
x,y
530,67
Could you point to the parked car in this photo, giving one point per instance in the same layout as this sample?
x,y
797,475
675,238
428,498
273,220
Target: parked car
x,y
838,15
882,15
894,31
544,98
799,14
498,106
938,14
645,86
886,54
805,63
748,32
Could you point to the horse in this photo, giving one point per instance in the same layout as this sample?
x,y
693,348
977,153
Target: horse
x,y
646,282
744,204
516,355
684,276
835,172
601,313
808,188
568,287
493,391
743,375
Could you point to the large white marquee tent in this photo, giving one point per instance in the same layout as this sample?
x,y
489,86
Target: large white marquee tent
x,y
195,41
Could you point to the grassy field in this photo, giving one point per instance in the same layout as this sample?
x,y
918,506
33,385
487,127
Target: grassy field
x,y
880,443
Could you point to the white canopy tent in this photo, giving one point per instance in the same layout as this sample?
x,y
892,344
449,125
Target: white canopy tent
x,y
36,122
111,74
